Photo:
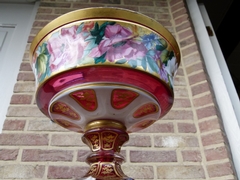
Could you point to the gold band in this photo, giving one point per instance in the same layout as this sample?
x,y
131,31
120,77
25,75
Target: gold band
x,y
104,123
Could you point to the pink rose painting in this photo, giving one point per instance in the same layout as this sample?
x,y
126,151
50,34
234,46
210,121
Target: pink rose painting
x,y
66,48
118,43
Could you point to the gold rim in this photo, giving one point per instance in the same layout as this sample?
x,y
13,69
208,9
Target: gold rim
x,y
109,13
104,123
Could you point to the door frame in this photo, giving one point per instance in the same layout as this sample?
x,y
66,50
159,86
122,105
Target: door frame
x,y
15,52
220,79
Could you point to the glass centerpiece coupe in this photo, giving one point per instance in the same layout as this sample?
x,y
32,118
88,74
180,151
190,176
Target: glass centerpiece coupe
x,y
104,73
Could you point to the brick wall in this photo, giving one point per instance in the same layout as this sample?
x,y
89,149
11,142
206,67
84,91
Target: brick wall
x,y
188,143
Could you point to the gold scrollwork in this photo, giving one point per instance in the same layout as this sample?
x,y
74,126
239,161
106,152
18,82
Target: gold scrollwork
x,y
108,139
93,170
94,140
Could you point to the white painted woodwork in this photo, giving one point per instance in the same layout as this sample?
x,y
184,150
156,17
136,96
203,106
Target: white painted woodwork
x,y
18,19
217,73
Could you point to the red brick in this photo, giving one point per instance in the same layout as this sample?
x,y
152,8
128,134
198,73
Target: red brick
x,y
40,24
165,17
66,172
179,81
85,5
180,172
133,8
153,156
180,91
191,155
17,125
203,101
107,1
183,26
217,153
46,17
24,139
82,155
25,67
44,10
196,78
206,112
30,38
149,14
24,111
187,41
161,4
180,71
138,141
26,59
34,31
139,172
176,141
218,170
8,154
193,48
154,9
209,125
18,171
27,47
193,58
21,99
24,87
212,138
181,11
177,6
186,128
61,11
200,88
44,125
30,155
67,140
26,55
179,115
174,2
182,19
159,127
181,103
193,68
49,4
165,23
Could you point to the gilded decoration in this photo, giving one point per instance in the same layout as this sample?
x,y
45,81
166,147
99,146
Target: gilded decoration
x,y
108,139
145,110
94,140
94,169
121,98
63,109
107,170
86,98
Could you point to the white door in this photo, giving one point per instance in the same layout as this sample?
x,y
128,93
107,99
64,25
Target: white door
x,y
15,25
6,32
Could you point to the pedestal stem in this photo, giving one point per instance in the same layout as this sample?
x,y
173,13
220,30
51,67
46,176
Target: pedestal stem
x,y
105,138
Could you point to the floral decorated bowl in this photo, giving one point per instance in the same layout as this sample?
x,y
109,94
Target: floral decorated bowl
x,y
104,63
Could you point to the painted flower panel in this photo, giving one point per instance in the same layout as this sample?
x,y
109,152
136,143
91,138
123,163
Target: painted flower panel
x,y
100,42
